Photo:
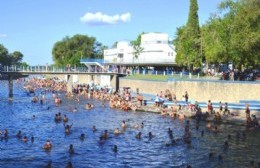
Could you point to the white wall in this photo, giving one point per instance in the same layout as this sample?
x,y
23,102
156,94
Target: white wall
x,y
155,50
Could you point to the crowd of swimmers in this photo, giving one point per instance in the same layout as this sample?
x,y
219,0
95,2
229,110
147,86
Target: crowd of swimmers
x,y
123,100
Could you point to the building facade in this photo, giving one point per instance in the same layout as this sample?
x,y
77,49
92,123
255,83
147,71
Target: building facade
x,y
155,50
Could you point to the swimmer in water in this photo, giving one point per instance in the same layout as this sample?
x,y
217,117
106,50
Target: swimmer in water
x,y
150,135
94,129
82,137
25,139
49,164
69,165
123,124
89,106
220,158
19,134
75,109
226,146
65,118
57,118
115,148
47,145
139,135
210,155
5,133
169,131
116,132
71,149
104,135
67,128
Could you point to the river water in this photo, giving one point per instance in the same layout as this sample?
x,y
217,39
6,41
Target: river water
x,y
18,115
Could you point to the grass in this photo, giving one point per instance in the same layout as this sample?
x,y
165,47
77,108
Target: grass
x,y
148,77
165,77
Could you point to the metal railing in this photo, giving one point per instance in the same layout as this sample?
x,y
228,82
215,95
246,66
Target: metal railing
x,y
54,69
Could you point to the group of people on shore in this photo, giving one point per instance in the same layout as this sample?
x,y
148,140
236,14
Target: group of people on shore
x,y
186,107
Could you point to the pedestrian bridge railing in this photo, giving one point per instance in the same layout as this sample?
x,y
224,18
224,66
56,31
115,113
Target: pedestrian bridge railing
x,y
57,69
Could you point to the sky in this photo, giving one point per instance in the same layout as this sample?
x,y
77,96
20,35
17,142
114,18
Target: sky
x,y
34,26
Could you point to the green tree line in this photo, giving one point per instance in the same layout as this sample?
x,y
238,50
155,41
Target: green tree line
x,y
71,49
8,59
232,35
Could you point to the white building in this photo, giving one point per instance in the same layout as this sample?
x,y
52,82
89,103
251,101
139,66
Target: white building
x,y
155,50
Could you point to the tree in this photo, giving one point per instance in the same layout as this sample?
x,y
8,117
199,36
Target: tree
x,y
23,64
16,57
99,49
234,35
188,40
4,56
115,44
181,46
245,37
216,34
136,44
71,50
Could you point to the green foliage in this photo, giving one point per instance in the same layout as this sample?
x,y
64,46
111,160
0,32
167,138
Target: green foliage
x,y
4,56
181,46
71,50
23,64
147,77
215,39
234,35
115,44
16,57
138,39
245,39
137,49
193,20
188,40
8,59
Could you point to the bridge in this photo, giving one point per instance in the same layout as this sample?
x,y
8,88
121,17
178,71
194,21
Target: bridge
x,y
13,72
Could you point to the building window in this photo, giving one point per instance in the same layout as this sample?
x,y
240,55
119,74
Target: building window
x,y
120,55
172,54
169,54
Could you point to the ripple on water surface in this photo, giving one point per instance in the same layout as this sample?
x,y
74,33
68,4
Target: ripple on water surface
x,y
132,152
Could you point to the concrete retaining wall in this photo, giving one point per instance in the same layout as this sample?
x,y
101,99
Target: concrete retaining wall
x,y
81,78
199,90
